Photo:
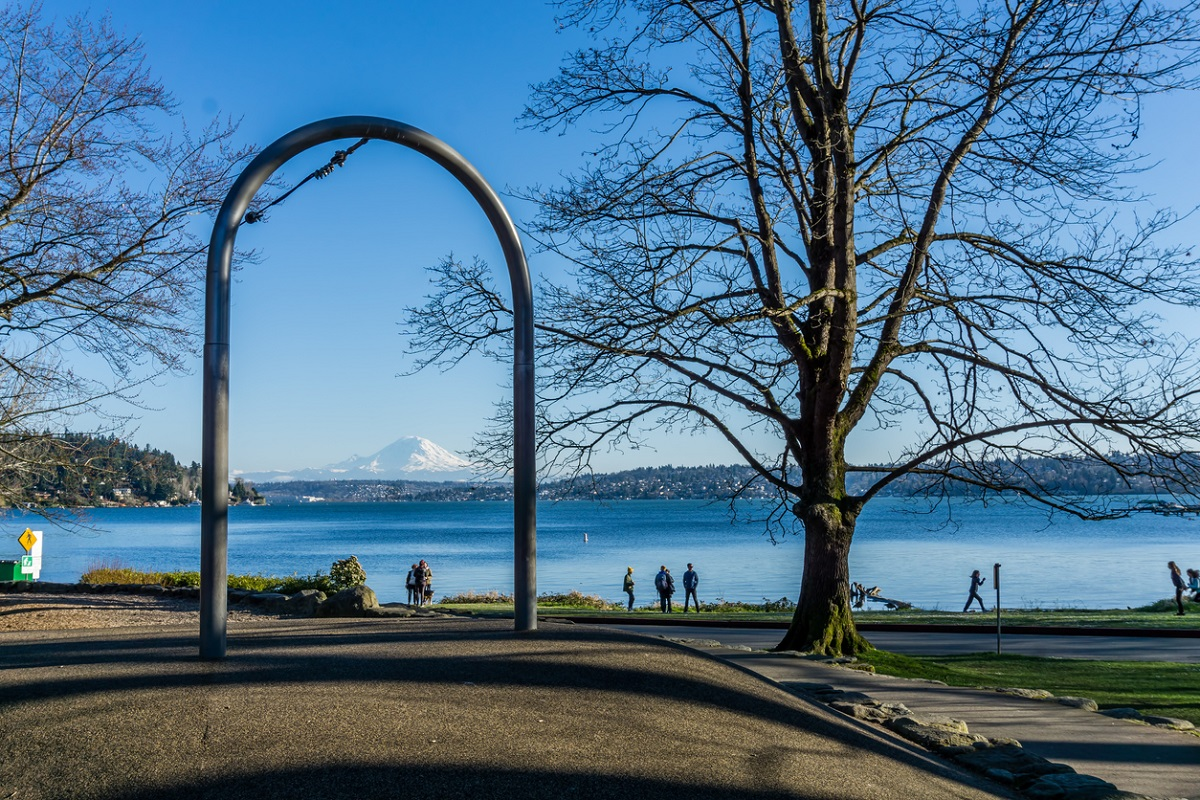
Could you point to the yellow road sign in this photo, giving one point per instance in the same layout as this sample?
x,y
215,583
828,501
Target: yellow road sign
x,y
27,540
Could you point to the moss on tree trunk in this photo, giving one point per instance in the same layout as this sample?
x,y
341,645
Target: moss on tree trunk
x,y
823,622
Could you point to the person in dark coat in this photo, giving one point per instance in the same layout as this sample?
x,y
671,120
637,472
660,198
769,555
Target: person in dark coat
x,y
665,585
421,577
627,586
1180,586
690,581
976,582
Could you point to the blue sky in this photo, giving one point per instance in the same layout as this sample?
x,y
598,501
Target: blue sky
x,y
315,343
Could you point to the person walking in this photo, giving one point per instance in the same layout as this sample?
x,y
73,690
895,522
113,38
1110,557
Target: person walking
x,y
627,586
690,581
976,582
409,583
1177,580
665,585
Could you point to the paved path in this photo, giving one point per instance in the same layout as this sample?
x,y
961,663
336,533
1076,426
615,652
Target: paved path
x,y
1110,648
1135,758
360,709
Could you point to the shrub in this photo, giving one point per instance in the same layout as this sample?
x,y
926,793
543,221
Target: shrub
x,y
576,599
1167,604
347,573
297,583
471,598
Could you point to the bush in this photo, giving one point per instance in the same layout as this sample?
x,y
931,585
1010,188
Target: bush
x,y
577,600
471,598
297,583
1167,604
116,572
347,573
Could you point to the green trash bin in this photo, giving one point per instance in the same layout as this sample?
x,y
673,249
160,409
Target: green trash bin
x,y
11,571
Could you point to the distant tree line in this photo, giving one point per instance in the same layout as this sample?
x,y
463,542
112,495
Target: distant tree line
x,y
712,482
99,470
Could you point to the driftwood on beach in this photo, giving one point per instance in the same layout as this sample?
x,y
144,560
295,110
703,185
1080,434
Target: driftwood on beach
x,y
860,595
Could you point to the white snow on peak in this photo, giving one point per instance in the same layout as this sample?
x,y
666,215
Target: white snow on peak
x,y
411,458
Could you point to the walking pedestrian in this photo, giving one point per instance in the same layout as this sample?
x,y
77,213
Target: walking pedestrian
x,y
627,586
1177,580
976,582
690,581
665,585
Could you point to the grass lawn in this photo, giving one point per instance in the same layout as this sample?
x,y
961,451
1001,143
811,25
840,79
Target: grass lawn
x,y
1152,687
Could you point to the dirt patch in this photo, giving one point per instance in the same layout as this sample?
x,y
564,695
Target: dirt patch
x,y
49,612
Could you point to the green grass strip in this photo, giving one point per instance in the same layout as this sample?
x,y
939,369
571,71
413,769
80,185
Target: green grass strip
x,y
1164,688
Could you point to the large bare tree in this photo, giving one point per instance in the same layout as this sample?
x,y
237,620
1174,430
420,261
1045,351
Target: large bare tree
x,y
819,219
99,253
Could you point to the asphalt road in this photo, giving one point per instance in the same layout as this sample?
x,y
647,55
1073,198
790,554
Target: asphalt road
x,y
1103,648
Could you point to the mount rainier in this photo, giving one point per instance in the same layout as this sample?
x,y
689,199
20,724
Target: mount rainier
x,y
409,458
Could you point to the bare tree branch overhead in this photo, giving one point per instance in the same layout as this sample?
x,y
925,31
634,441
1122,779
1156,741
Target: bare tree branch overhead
x,y
822,219
98,250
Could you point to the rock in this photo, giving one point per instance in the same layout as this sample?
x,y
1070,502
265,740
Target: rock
x,y
1122,713
931,738
267,599
859,711
1031,694
1085,703
1074,787
1168,722
941,723
152,588
1013,760
1001,776
305,602
349,603
1004,741
398,611
815,688
858,697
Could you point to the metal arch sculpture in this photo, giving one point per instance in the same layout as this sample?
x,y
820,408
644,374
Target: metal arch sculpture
x,y
215,465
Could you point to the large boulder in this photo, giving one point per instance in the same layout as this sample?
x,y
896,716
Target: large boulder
x,y
349,603
305,602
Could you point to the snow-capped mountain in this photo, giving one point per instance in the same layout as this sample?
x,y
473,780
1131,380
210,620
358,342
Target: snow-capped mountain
x,y
409,458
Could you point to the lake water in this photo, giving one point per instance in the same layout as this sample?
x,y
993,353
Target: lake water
x,y
918,558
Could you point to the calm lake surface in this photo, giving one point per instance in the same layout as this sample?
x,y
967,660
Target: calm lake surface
x,y
923,559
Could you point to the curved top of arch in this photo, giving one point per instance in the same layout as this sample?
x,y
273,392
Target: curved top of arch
x,y
275,155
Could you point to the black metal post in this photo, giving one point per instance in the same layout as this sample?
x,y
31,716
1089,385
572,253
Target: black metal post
x,y
996,583
215,469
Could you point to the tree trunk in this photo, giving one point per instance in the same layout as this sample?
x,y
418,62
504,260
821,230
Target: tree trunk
x,y
823,622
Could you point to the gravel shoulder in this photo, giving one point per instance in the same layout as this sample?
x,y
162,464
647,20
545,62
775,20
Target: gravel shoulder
x,y
49,612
